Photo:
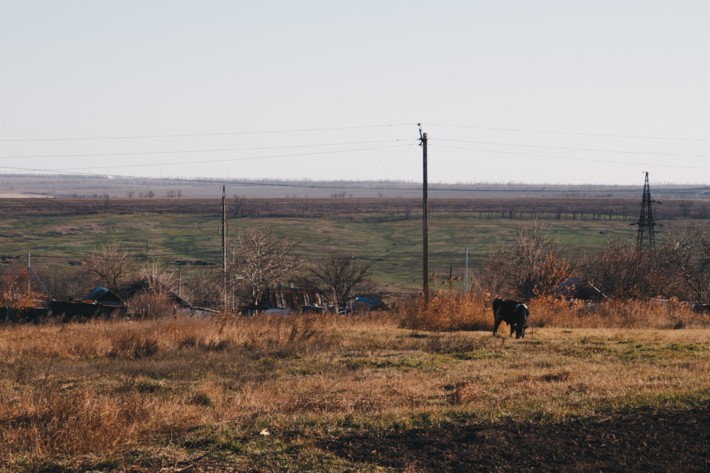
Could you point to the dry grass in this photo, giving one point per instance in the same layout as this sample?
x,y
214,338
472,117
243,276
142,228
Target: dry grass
x,y
474,312
136,393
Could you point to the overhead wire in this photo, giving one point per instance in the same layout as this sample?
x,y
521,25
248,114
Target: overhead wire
x,y
436,142
553,132
569,158
206,150
596,150
201,161
228,133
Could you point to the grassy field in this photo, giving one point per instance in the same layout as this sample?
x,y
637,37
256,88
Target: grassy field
x,y
393,247
384,232
357,394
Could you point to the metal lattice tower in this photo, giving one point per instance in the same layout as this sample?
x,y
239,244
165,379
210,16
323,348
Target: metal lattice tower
x,y
645,238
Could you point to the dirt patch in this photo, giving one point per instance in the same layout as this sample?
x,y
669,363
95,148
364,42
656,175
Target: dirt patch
x,y
635,440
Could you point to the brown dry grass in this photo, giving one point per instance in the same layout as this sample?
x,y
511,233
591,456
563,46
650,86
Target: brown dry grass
x,y
474,312
128,393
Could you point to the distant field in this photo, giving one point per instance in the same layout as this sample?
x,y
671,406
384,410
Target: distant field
x,y
97,186
383,232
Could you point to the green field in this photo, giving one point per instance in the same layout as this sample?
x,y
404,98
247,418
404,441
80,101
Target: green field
x,y
392,247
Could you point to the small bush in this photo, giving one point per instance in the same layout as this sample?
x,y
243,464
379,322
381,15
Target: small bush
x,y
134,346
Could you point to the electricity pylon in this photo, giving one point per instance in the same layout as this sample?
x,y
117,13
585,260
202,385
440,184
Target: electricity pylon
x,y
645,237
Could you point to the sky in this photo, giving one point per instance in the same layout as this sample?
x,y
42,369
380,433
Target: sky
x,y
560,92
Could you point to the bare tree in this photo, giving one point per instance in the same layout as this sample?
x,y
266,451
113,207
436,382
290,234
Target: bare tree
x,y
206,288
339,277
682,265
619,271
530,265
157,278
151,294
261,260
110,265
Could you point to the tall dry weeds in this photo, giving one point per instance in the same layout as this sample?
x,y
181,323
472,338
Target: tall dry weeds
x,y
447,311
450,311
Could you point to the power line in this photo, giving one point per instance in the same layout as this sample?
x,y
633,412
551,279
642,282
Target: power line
x,y
202,161
208,150
228,133
573,149
609,135
190,151
568,158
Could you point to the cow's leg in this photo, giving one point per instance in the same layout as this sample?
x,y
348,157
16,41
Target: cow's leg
x,y
496,325
498,320
521,316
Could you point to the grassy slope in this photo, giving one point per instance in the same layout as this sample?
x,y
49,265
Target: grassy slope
x,y
393,247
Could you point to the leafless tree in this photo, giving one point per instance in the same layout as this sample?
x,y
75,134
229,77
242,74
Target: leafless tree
x,y
682,263
340,277
157,277
620,271
206,288
680,267
528,266
110,265
261,260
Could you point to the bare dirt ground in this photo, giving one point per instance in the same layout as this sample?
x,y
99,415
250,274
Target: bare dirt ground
x,y
634,440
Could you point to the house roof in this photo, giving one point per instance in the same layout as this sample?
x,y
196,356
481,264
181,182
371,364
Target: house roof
x,y
102,295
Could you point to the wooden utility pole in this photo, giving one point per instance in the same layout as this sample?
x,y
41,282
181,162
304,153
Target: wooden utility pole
x,y
224,248
29,271
423,138
465,273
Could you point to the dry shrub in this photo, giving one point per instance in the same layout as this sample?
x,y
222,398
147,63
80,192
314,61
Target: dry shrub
x,y
207,394
55,422
283,336
134,345
462,393
447,311
150,305
659,314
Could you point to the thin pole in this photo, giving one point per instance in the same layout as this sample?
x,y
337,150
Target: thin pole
x,y
29,270
425,219
224,248
465,273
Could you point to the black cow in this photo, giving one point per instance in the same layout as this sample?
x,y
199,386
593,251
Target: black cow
x,y
513,313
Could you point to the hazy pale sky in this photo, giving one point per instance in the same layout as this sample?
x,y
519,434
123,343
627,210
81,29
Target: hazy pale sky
x,y
539,92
